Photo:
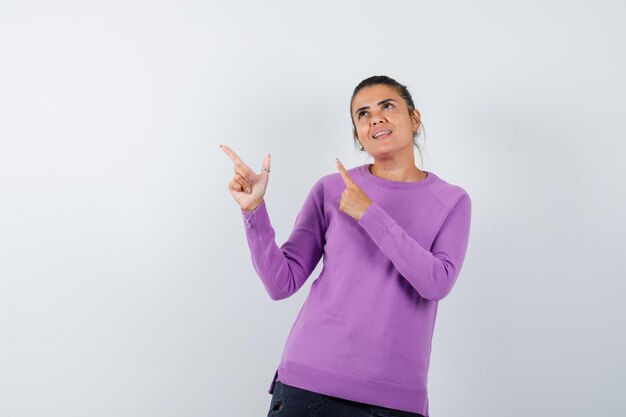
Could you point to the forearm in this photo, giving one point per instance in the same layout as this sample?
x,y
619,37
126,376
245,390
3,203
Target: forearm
x,y
432,274
283,270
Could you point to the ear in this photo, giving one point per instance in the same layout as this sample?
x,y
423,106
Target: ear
x,y
415,120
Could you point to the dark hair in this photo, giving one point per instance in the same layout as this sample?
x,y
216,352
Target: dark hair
x,y
402,91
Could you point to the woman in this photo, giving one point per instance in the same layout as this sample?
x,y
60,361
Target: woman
x,y
393,238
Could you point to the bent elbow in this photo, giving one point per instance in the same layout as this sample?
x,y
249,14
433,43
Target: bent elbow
x,y
437,294
277,294
442,284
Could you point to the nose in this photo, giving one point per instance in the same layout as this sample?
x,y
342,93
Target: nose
x,y
377,118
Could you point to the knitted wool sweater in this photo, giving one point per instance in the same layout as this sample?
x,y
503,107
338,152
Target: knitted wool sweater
x,y
364,332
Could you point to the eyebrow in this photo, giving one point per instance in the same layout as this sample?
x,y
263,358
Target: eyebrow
x,y
379,103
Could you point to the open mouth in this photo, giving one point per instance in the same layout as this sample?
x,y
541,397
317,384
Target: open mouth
x,y
382,135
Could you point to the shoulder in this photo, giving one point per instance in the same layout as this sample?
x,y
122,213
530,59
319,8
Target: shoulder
x,y
325,185
333,180
448,194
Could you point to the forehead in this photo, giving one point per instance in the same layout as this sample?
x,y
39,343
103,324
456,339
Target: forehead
x,y
371,95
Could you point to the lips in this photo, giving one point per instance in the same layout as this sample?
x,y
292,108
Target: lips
x,y
381,134
381,131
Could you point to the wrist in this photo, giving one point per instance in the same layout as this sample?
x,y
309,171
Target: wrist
x,y
253,207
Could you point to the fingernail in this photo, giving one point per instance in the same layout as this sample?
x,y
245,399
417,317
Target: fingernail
x,y
248,190
337,160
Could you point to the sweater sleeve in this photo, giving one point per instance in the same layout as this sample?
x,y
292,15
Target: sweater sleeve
x,y
283,270
432,273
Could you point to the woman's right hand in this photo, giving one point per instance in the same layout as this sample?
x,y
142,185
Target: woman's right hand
x,y
247,187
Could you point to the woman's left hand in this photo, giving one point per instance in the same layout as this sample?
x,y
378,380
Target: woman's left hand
x,y
354,202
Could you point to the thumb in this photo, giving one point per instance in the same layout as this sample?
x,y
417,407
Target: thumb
x,y
265,169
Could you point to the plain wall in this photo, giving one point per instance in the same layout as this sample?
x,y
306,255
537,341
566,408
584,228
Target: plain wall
x,y
126,283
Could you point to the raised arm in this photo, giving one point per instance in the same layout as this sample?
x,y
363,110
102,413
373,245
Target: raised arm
x,y
283,270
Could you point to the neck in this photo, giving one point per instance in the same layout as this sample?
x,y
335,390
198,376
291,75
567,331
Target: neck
x,y
397,173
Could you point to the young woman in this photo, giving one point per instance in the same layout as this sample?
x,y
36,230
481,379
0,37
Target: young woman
x,y
393,238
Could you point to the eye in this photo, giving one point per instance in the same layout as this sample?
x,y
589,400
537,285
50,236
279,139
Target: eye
x,y
361,113
387,104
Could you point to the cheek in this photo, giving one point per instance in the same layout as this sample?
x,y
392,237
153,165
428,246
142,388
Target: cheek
x,y
404,124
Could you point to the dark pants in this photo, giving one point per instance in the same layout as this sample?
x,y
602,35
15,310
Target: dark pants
x,y
290,401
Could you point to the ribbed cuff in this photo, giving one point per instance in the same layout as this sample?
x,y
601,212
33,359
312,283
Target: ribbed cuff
x,y
255,218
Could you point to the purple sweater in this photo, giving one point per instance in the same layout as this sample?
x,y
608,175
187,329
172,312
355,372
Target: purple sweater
x,y
364,332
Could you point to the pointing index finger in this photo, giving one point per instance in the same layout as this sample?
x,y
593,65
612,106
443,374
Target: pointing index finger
x,y
344,174
232,155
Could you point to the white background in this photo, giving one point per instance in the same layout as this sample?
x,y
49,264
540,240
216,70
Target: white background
x,y
126,284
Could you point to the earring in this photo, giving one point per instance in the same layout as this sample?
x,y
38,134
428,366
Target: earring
x,y
361,147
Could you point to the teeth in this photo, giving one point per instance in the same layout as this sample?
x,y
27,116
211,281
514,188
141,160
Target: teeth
x,y
381,133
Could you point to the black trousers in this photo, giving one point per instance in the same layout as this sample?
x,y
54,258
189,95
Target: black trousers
x,y
290,401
